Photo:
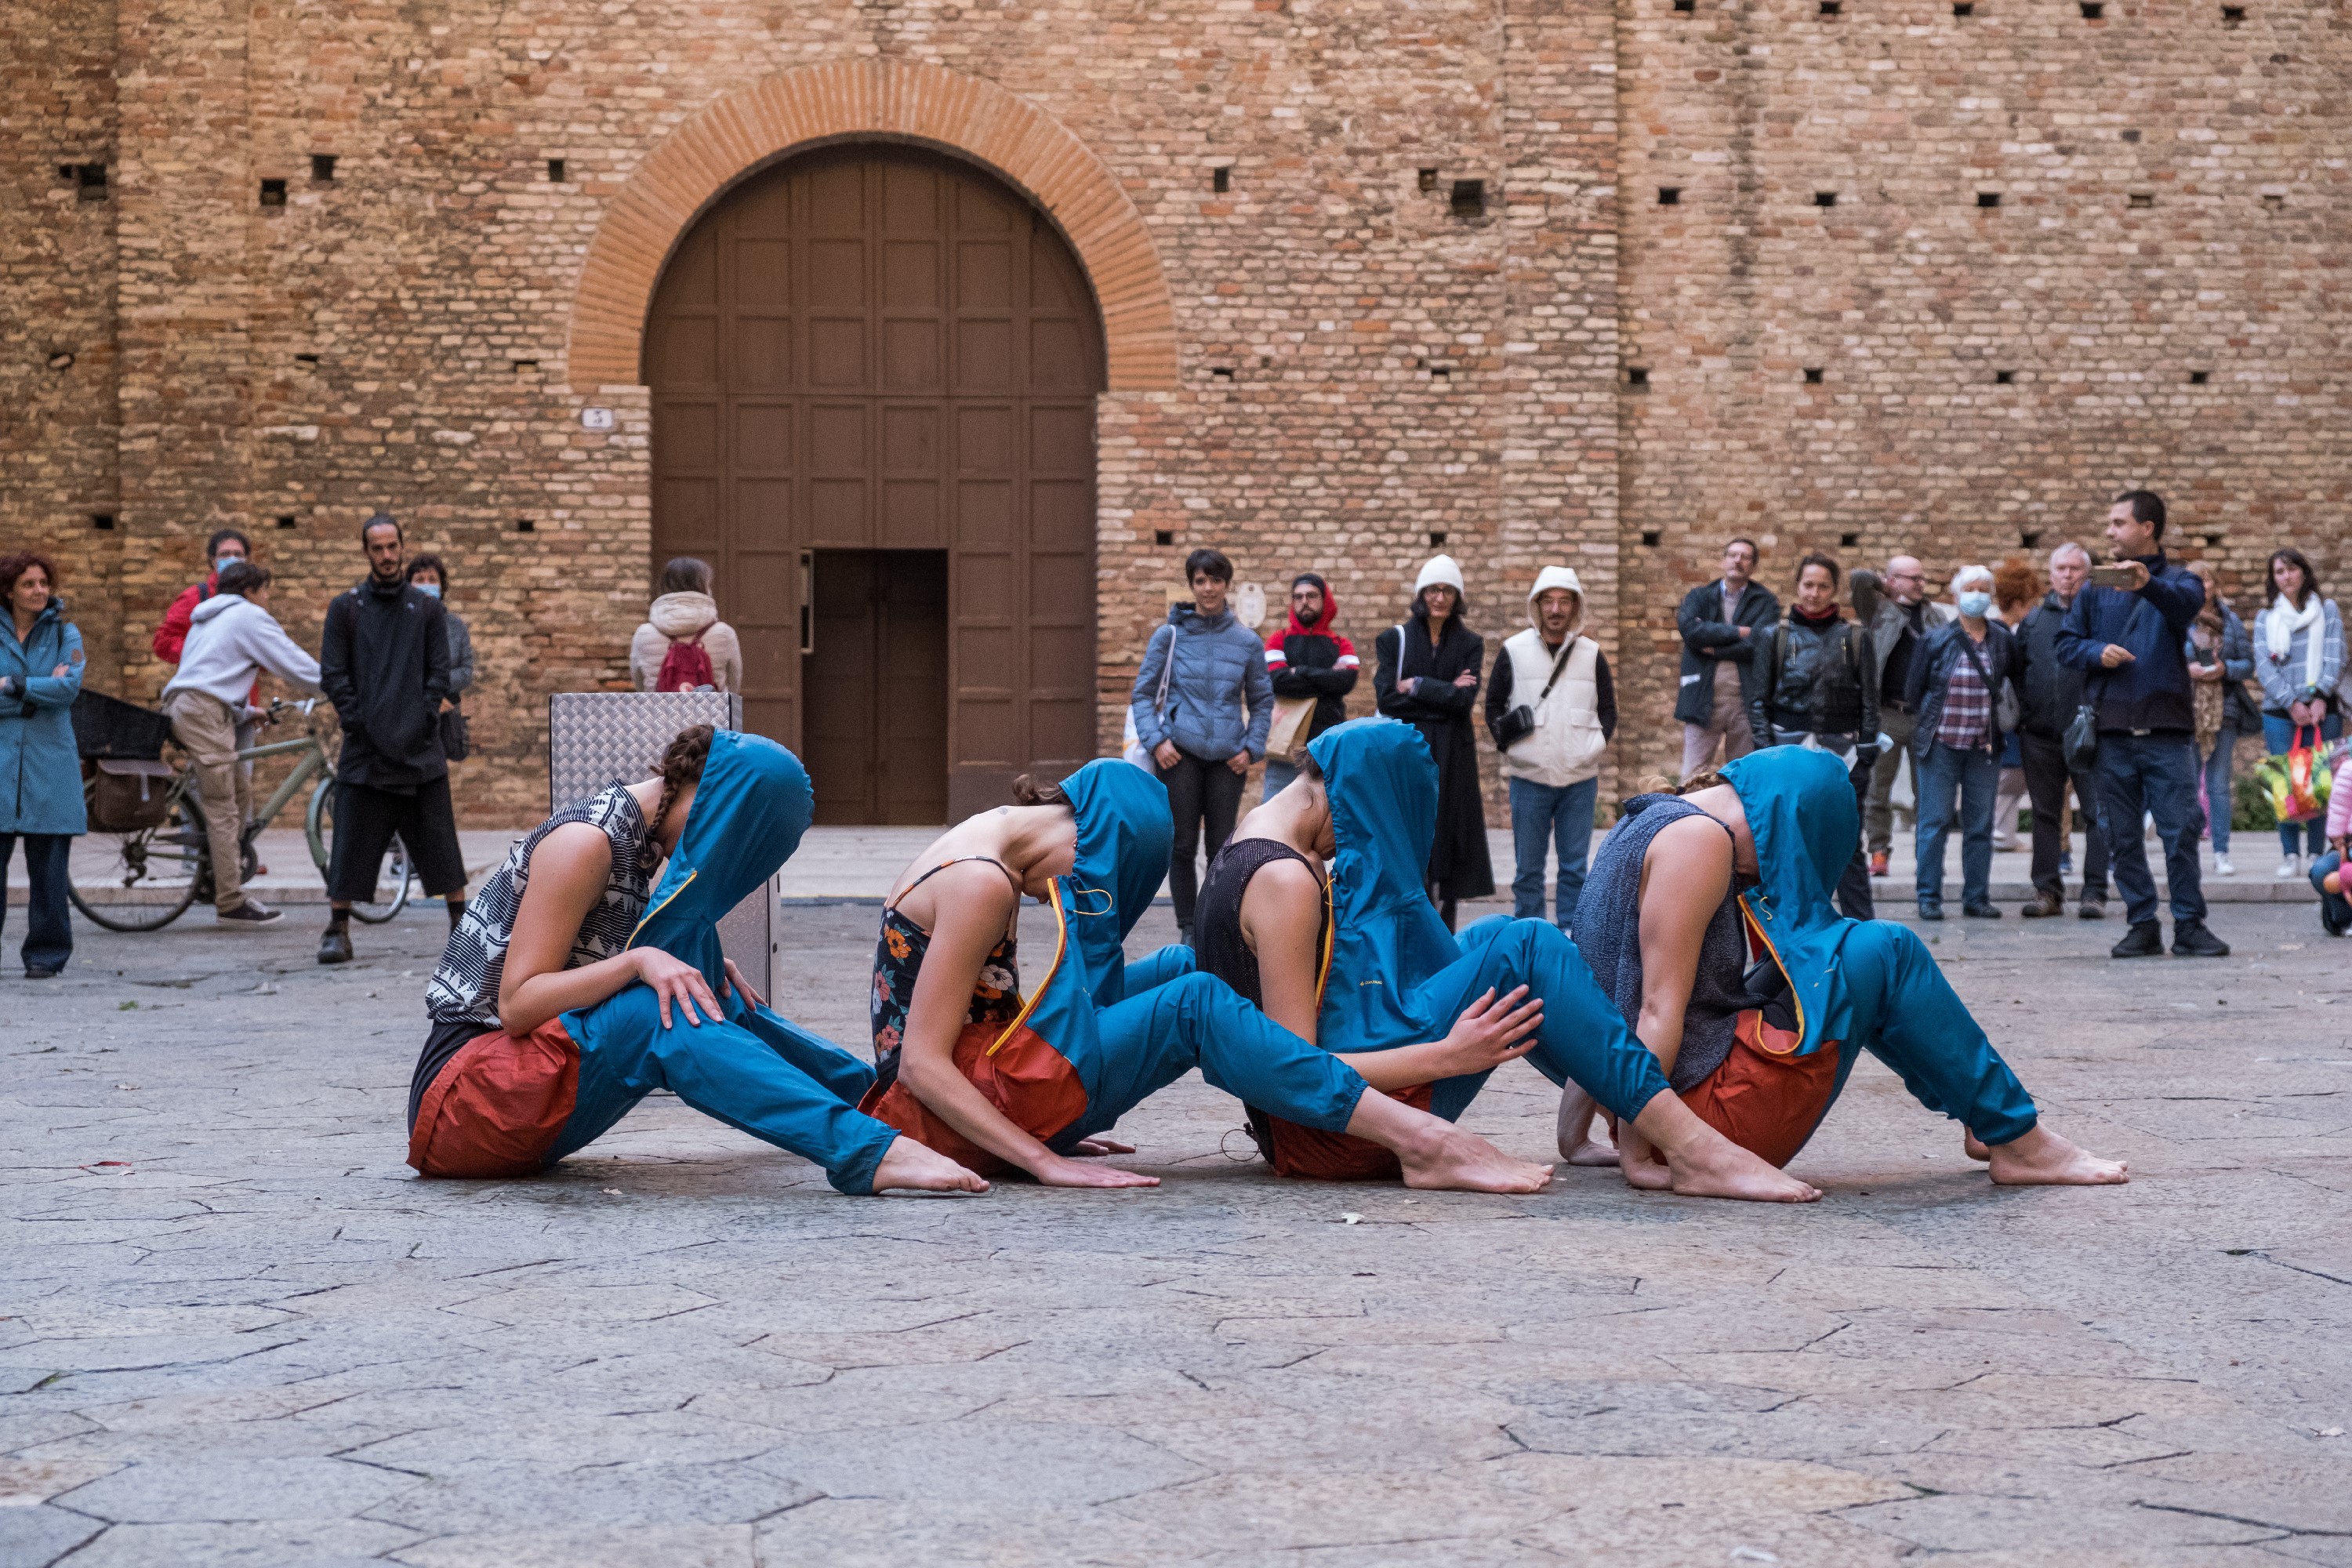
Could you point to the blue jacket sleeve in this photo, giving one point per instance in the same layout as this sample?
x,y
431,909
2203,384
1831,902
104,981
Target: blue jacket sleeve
x,y
2176,596
2331,659
2237,649
44,691
2074,643
1142,700
1257,688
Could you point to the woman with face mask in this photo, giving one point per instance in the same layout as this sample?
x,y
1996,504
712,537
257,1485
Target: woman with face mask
x,y
1954,691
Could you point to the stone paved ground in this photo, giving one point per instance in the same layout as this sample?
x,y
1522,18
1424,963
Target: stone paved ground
x,y
238,1330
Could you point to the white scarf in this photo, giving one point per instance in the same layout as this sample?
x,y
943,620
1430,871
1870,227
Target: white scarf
x,y
2284,621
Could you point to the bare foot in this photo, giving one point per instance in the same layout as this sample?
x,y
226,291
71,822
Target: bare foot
x,y
1637,1159
909,1166
1718,1168
1592,1152
1973,1146
1466,1161
2042,1159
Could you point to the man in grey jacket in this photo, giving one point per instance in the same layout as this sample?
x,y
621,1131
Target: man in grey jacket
x,y
1202,703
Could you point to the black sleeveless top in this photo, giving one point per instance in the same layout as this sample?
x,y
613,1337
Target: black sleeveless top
x,y
1218,948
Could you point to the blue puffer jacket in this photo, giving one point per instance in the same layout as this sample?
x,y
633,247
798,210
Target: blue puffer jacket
x,y
1220,698
40,770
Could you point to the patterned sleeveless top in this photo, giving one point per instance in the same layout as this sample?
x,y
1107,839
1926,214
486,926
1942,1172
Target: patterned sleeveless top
x,y
465,989
898,958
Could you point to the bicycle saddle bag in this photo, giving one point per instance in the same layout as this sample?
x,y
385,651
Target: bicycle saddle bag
x,y
128,796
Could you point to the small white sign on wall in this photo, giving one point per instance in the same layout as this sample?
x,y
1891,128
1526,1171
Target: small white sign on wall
x,y
1249,604
595,419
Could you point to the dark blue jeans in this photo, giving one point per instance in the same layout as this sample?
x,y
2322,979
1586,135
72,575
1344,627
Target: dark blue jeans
x,y
2278,736
1956,786
2153,775
49,939
1554,816
2335,910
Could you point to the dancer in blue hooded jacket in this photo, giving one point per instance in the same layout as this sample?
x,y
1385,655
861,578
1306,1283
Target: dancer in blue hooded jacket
x,y
1708,919
571,991
1358,961
1000,1081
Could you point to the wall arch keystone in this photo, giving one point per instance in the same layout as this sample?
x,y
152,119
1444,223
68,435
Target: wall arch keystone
x,y
897,100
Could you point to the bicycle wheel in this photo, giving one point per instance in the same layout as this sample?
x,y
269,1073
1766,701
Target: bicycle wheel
x,y
146,879
392,882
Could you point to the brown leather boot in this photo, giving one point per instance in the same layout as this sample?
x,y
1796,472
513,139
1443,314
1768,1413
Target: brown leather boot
x,y
2045,906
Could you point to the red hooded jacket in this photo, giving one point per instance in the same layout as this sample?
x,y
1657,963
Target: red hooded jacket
x,y
1313,661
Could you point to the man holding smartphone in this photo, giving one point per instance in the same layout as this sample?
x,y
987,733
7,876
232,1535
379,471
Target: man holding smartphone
x,y
2127,630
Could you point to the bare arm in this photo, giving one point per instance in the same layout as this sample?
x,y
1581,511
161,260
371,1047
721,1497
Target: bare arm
x,y
974,904
1281,915
1685,875
568,872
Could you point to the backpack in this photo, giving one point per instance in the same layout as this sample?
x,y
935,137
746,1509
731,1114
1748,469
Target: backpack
x,y
686,668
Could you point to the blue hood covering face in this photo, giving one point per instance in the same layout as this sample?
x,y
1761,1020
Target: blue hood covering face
x,y
1386,937
1801,811
1124,833
749,813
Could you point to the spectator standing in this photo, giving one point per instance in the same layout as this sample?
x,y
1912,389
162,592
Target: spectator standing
x,y
429,574
225,546
1426,673
1551,709
2128,641
1202,704
384,663
1307,659
1954,693
40,769
2220,662
1816,685
2050,692
1899,624
232,638
2298,646
683,646
1719,622
2015,588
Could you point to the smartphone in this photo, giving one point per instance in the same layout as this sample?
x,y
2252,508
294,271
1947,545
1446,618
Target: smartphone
x,y
2114,577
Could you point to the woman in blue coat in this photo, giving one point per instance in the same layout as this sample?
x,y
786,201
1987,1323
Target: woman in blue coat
x,y
40,772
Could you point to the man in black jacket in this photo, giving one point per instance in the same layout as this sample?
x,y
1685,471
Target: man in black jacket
x,y
384,661
1307,659
1721,622
2048,697
1815,681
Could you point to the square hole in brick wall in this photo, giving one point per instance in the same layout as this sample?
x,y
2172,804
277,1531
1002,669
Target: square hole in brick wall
x,y
1221,372
525,525
2199,378
285,522
103,521
1637,377
2004,378
2030,537
1440,372
1685,6
61,359
1812,375
1824,198
2143,198
1848,541
2092,10
2232,15
90,181
1427,179
1221,179
1163,536
1650,537
1964,7
1436,537
273,193
1469,198
555,170
2276,202
322,166
1669,195
1988,198
1832,8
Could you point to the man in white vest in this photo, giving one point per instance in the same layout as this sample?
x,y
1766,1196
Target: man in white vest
x,y
1552,710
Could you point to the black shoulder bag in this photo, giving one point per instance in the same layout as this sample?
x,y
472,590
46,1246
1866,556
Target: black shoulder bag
x,y
1521,722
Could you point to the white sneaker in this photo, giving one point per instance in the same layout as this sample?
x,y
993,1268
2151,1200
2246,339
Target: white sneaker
x,y
2221,867
2290,867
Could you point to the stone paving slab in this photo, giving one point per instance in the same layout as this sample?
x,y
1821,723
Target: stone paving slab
x,y
235,1329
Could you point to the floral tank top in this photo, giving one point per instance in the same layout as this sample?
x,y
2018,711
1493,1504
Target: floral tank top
x,y
898,958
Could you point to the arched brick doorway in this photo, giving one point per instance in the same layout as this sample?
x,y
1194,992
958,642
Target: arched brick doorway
x,y
874,371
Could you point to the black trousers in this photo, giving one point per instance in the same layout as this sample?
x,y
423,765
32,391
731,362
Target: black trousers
x,y
365,820
2046,786
1197,789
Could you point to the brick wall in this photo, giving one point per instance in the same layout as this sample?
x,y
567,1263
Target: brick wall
x,y
403,334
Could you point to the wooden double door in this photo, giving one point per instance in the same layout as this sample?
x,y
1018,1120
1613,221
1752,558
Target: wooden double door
x,y
874,371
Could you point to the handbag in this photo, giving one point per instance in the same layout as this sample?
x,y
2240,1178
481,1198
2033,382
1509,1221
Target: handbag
x,y
1133,749
2299,782
457,740
128,796
1519,723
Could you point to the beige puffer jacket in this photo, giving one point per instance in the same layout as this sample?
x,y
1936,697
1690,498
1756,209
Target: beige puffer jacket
x,y
676,616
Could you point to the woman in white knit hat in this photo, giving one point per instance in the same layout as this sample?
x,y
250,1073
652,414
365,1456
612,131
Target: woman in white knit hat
x,y
1427,674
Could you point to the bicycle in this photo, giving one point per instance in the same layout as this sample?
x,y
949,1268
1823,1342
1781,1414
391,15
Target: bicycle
x,y
168,866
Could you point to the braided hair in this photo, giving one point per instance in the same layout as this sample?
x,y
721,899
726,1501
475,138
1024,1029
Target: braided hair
x,y
680,766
